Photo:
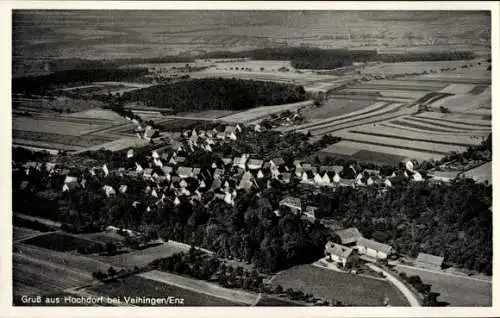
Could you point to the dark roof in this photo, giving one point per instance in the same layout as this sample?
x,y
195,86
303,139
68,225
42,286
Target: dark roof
x,y
349,235
430,259
278,161
374,245
337,249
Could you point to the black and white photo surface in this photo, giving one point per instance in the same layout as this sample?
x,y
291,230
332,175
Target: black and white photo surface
x,y
251,158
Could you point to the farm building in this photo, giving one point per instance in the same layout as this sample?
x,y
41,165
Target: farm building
x,y
310,212
347,236
285,177
185,172
338,253
240,161
429,261
148,173
293,203
277,162
227,161
254,164
373,248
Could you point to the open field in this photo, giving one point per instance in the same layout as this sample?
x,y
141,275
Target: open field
x,y
335,107
54,126
259,113
455,290
142,257
350,148
103,237
133,286
348,288
411,67
481,173
208,114
203,287
60,104
38,270
59,242
98,114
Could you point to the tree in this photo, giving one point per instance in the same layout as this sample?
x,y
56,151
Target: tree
x,y
111,272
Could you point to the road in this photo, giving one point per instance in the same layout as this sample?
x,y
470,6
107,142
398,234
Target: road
x,y
412,299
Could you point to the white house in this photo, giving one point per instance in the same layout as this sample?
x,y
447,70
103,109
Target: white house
x,y
260,175
254,164
123,188
373,248
109,190
130,153
338,253
185,172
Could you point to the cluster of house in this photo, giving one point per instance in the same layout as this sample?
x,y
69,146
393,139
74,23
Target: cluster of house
x,y
348,245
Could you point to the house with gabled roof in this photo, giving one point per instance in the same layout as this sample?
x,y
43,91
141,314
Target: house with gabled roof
x,y
338,169
218,173
277,162
227,161
299,171
285,177
123,188
260,174
310,212
348,236
307,166
338,253
429,261
295,204
297,163
148,173
196,172
245,184
254,164
109,190
185,172
70,186
373,248
70,179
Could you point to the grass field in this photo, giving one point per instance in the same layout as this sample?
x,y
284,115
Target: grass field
x,y
481,173
99,114
259,113
199,286
141,257
45,125
64,104
39,270
60,138
336,107
133,286
103,237
455,290
348,288
266,301
59,242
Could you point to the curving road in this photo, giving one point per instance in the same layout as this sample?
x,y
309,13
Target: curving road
x,y
412,299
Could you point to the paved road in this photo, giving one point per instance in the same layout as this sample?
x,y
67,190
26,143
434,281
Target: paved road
x,y
412,299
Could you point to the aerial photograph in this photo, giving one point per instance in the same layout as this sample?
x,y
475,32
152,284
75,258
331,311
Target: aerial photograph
x,y
251,158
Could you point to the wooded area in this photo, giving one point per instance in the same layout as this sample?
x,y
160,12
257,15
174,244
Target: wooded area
x,y
217,93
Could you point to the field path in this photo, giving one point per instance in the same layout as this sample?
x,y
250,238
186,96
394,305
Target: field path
x,y
201,287
412,299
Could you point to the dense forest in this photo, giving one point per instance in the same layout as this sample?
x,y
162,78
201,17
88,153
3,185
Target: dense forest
x,y
315,58
40,85
217,93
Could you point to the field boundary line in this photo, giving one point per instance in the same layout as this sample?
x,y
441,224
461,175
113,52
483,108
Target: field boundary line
x,y
444,273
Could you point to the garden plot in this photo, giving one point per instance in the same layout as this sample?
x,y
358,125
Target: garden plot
x,y
399,143
400,151
458,89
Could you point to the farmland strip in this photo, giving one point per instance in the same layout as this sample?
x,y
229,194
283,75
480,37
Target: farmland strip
x,y
370,109
439,124
417,154
426,130
409,138
360,121
469,122
426,127
417,146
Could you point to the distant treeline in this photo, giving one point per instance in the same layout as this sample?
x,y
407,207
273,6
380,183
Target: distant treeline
x,y
41,84
217,93
315,58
